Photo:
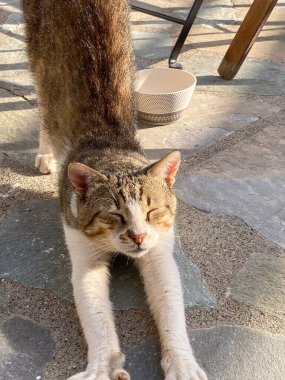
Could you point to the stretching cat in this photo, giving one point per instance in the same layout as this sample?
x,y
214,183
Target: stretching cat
x,y
112,199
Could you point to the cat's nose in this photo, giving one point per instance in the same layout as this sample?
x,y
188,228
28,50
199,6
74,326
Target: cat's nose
x,y
137,238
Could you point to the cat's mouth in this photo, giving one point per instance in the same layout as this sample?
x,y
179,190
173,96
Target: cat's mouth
x,y
138,251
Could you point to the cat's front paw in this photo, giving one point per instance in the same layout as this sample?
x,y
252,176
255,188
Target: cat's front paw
x,y
118,374
178,367
121,374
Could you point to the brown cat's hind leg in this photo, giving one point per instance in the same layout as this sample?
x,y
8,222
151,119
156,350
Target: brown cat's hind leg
x,y
45,160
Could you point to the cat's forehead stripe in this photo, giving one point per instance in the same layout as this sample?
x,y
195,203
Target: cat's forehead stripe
x,y
130,188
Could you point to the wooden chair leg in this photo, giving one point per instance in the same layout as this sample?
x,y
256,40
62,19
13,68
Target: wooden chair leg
x,y
245,37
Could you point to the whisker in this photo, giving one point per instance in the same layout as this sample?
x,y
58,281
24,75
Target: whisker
x,y
99,253
115,256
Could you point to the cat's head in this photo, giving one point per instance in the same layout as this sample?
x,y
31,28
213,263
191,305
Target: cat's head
x,y
127,213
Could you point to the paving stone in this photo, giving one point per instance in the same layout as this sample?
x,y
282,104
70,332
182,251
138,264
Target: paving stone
x,y
38,258
143,361
19,119
14,23
24,349
195,289
205,121
144,22
19,128
26,337
225,353
127,290
267,47
151,45
18,366
254,77
261,283
247,181
157,24
11,6
33,250
14,73
217,12
274,227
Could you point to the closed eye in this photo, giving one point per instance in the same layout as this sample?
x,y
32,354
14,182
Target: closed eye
x,y
157,215
119,216
91,221
149,213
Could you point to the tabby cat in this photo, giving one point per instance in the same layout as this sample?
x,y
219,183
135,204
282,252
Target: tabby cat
x,y
112,199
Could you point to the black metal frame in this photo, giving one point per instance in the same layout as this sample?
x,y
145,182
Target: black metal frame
x,y
187,24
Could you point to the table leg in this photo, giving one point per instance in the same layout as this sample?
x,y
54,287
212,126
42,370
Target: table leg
x,y
245,37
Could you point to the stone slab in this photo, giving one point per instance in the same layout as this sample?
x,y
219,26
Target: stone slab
x,y
261,283
217,12
11,6
144,22
207,119
19,118
14,73
143,361
195,289
14,22
24,349
33,252
151,45
247,181
127,290
267,47
18,366
19,128
254,77
274,227
225,353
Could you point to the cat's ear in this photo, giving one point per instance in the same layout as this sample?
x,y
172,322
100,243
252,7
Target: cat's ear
x,y
81,175
167,167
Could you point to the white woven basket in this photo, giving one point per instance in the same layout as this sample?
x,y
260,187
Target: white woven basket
x,y
163,94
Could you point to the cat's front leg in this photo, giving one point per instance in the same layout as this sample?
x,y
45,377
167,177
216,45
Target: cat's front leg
x,y
45,159
90,279
164,292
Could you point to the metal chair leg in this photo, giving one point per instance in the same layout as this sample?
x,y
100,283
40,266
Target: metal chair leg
x,y
187,24
183,35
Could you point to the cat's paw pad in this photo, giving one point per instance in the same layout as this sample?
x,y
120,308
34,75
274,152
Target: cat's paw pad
x,y
121,374
46,163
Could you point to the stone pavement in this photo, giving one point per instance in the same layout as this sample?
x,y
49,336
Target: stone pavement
x,y
231,222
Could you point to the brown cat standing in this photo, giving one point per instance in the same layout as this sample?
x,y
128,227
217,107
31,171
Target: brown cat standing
x,y
112,199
